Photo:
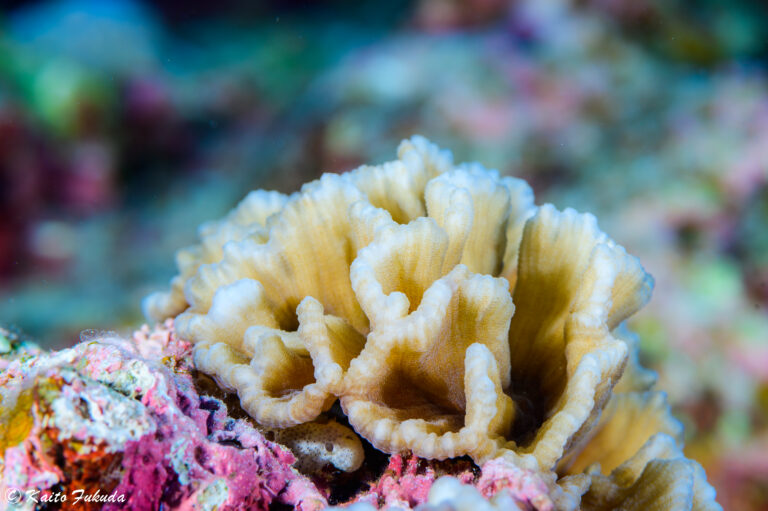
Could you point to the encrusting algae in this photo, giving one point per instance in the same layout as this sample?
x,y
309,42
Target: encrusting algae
x,y
449,316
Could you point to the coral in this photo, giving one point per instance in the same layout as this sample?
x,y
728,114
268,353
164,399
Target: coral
x,y
449,316
658,476
633,457
119,421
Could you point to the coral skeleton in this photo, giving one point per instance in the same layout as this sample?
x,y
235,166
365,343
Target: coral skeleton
x,y
449,316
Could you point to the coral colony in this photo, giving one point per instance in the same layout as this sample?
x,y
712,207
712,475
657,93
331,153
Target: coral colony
x,y
416,334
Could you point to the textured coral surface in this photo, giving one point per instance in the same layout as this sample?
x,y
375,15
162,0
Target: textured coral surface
x,y
449,316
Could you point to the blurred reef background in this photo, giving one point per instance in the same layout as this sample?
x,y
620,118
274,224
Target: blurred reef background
x,y
124,125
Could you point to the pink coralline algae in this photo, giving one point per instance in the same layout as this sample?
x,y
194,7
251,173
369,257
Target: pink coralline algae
x,y
524,486
116,423
407,481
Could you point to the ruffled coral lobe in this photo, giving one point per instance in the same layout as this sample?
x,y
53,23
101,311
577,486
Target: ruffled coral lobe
x,y
449,316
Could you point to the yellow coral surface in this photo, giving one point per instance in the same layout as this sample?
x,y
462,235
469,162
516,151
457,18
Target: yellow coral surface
x,y
448,314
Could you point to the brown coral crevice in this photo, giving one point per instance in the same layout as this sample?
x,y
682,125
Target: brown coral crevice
x,y
407,371
564,360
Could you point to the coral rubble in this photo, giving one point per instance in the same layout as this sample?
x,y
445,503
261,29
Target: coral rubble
x,y
449,316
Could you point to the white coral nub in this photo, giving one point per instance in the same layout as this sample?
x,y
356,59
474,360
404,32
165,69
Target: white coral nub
x,y
446,312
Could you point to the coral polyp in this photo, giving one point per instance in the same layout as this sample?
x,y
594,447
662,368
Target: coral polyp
x,y
448,315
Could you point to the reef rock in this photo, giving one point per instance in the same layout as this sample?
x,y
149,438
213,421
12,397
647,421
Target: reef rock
x,y
118,424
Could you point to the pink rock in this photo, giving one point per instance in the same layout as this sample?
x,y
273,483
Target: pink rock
x,y
524,486
134,404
